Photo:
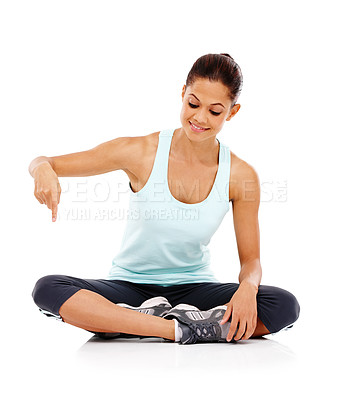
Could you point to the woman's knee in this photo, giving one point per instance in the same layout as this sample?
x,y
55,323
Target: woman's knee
x,y
44,290
279,307
291,306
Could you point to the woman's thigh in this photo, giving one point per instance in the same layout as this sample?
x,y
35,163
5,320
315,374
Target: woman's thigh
x,y
277,308
201,295
51,291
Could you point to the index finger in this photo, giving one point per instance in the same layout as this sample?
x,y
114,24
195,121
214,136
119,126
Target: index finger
x,y
54,210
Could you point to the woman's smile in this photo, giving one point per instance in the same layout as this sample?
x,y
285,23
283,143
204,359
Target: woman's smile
x,y
197,128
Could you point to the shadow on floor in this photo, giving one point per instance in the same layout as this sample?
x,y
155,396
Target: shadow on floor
x,y
151,353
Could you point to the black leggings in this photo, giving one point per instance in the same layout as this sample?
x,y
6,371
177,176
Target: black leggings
x,y
277,308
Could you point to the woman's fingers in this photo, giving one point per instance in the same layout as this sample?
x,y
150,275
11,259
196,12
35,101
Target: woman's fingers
x,y
39,199
47,190
233,328
241,329
248,333
226,315
51,199
37,195
43,198
250,329
48,196
54,210
52,203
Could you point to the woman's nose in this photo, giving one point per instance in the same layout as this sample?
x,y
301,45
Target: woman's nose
x,y
201,117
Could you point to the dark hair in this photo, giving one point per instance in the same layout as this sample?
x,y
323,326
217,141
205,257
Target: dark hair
x,y
218,67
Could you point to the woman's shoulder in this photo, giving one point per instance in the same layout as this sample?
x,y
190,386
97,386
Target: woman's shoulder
x,y
147,139
141,145
243,176
141,153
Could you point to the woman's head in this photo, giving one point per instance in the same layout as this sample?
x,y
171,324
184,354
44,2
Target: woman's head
x,y
210,93
218,67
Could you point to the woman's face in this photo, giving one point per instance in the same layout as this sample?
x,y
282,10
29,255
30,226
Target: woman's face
x,y
206,105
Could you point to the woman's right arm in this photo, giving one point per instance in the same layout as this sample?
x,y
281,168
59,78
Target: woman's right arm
x,y
109,156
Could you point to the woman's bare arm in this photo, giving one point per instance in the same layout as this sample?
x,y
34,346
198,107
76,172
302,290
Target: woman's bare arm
x,y
246,201
245,195
119,153
106,157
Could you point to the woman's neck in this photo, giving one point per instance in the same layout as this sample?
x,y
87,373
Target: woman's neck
x,y
194,152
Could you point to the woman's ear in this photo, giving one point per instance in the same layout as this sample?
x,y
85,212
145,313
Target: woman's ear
x,y
183,91
233,111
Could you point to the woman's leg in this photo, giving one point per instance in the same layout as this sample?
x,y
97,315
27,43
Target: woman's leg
x,y
88,304
91,311
260,329
277,308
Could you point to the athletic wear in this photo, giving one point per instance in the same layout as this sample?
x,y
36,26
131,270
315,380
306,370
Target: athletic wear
x,y
200,326
166,241
277,308
164,252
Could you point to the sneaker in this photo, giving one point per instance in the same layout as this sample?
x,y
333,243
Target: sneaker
x,y
200,326
50,314
157,306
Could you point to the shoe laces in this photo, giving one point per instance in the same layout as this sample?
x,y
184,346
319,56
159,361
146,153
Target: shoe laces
x,y
203,331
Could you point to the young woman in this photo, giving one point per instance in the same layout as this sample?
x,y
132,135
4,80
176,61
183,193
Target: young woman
x,y
182,182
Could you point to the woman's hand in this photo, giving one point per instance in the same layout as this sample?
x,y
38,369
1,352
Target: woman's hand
x,y
47,188
243,306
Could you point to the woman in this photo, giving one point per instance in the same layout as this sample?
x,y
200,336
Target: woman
x,y
181,181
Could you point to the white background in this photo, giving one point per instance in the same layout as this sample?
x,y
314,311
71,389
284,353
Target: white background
x,y
74,74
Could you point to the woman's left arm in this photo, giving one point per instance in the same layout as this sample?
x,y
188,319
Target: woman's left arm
x,y
246,200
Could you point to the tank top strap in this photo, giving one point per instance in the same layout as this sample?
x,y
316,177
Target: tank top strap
x,y
222,181
160,166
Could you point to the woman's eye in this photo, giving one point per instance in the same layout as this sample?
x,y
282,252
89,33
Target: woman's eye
x,y
195,106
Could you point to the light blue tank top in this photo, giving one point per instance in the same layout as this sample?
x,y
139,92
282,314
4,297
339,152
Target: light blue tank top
x,y
166,241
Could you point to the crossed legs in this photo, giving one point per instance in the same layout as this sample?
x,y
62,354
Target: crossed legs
x,y
93,312
91,304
